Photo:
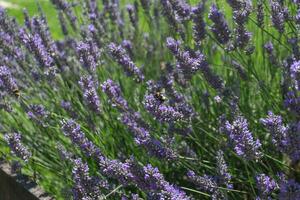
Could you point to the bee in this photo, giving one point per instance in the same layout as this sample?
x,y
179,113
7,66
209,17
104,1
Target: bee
x,y
16,92
160,95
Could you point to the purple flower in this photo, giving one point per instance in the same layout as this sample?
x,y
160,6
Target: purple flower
x,y
224,177
133,15
85,187
7,82
73,131
89,92
181,8
149,178
160,110
143,138
289,190
120,55
17,148
277,15
278,130
265,185
206,183
295,73
37,112
220,27
113,91
242,139
88,54
188,62
66,8
199,23
260,13
35,45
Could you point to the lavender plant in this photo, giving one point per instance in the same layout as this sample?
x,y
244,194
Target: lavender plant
x,y
160,99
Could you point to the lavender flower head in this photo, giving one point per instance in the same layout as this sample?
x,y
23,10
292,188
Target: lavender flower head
x,y
277,15
17,148
206,183
7,82
181,8
71,129
113,91
89,92
289,190
224,177
265,185
295,74
85,187
120,55
89,54
278,130
37,112
199,24
161,111
242,139
220,27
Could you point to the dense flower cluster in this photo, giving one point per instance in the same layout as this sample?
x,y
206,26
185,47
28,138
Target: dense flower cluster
x,y
242,139
202,70
14,142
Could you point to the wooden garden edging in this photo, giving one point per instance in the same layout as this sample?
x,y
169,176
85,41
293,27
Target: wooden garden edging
x,y
16,187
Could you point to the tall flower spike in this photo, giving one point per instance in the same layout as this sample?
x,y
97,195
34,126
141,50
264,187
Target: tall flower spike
x,y
7,82
220,27
242,139
17,148
143,138
260,13
295,74
85,187
278,130
199,27
277,16
182,8
206,183
265,185
89,92
224,177
113,91
120,55
88,54
289,190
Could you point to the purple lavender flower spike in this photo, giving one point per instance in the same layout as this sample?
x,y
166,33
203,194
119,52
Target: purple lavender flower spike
x,y
265,185
17,148
242,139
220,27
132,14
278,130
7,82
73,131
85,187
66,8
113,91
295,74
224,177
206,183
88,54
120,55
161,111
143,138
181,8
260,13
90,94
37,112
289,190
199,27
277,16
